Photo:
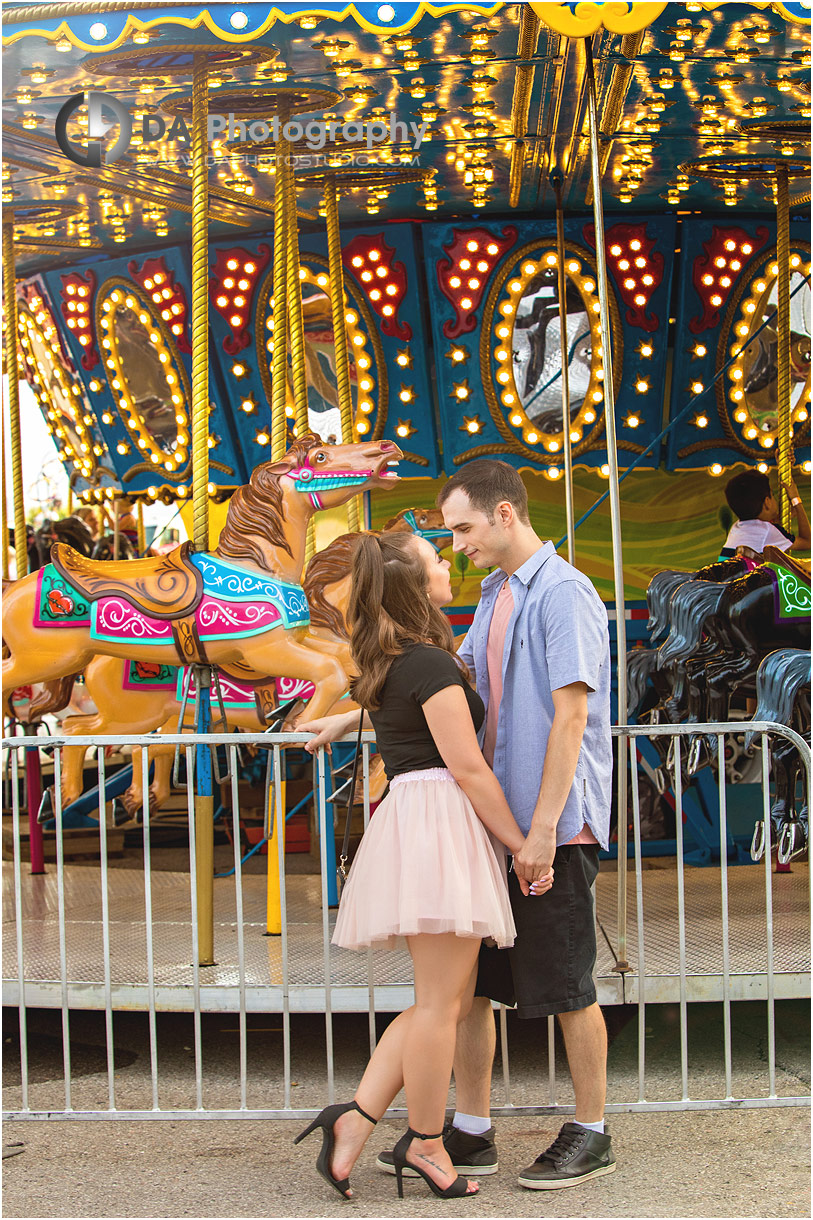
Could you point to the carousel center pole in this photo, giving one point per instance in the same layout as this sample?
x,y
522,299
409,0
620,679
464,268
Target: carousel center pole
x,y
337,309
33,773
279,362
296,324
557,182
622,964
784,452
204,798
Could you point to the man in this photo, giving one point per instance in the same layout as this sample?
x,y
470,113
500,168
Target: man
x,y
539,650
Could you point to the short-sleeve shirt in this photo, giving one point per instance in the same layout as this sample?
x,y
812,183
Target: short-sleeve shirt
x,y
557,635
757,535
402,734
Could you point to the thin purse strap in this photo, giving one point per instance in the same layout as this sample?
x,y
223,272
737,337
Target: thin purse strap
x,y
351,793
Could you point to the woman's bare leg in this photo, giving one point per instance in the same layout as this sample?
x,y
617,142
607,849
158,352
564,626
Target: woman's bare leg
x,y
416,1051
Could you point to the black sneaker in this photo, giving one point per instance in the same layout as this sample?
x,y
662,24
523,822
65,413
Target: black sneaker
x,y
574,1156
475,1156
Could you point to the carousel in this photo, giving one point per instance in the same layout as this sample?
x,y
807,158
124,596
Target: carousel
x,y
286,267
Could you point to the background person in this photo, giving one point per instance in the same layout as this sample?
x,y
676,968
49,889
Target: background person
x,y
750,498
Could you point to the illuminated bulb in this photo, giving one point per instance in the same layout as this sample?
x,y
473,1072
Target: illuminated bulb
x,y
702,421
715,469
741,416
553,472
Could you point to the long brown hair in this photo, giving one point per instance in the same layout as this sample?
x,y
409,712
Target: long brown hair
x,y
389,609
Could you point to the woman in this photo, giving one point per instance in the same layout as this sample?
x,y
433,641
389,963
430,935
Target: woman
x,y
426,869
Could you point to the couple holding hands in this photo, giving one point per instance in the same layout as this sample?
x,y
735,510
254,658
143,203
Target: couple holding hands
x,y
503,747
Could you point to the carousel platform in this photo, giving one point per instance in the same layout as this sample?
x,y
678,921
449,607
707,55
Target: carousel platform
x,y
352,975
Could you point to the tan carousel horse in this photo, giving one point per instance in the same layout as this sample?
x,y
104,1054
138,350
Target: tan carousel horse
x,y
239,608
157,705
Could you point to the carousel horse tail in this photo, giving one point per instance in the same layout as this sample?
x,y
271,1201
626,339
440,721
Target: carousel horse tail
x,y
640,664
658,594
53,697
689,608
780,677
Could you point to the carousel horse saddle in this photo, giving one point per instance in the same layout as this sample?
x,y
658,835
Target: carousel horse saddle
x,y
799,567
165,587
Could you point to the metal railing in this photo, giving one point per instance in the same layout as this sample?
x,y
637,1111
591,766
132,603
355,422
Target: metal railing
x,y
236,986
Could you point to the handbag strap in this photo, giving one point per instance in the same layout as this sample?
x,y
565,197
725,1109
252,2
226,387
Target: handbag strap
x,y
350,795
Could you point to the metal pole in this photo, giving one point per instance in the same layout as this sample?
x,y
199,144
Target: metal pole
x,y
10,299
4,509
622,964
334,255
279,360
204,800
784,451
557,181
142,541
116,529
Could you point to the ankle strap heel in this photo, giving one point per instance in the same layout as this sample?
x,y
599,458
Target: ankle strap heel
x,y
459,1189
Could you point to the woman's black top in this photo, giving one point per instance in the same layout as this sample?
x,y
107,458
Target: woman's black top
x,y
401,731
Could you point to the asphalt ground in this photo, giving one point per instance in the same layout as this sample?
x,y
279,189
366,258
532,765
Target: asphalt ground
x,y
714,1162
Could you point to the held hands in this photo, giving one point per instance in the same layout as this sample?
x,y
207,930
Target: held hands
x,y
533,863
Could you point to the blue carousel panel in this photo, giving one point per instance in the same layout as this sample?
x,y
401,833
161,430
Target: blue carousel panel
x,y
126,323
389,376
494,302
728,292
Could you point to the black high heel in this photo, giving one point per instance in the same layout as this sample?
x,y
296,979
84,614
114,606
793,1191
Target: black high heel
x,y
458,1189
327,1120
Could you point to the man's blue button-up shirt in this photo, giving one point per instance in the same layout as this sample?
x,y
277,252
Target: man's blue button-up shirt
x,y
557,635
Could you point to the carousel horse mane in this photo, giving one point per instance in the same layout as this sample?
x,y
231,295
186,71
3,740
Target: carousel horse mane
x,y
256,509
689,608
780,677
658,594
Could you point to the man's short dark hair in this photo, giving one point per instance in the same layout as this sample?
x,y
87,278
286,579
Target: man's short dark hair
x,y
488,483
746,494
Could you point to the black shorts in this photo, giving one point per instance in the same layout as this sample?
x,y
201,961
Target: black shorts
x,y
550,968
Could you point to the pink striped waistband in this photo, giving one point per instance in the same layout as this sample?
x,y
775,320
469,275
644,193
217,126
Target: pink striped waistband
x,y
431,773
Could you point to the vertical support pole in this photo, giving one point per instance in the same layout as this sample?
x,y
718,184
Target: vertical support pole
x,y
33,775
200,307
337,308
142,539
10,303
69,505
4,523
296,322
279,362
33,793
615,507
274,829
204,800
557,181
116,528
784,451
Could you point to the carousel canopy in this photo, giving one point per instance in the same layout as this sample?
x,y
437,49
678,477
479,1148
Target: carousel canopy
x,y
444,128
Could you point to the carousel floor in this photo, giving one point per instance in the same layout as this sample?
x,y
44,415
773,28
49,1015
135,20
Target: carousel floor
x,y
351,974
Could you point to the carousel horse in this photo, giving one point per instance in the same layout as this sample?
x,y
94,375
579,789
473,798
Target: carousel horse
x,y
153,693
239,607
783,695
40,541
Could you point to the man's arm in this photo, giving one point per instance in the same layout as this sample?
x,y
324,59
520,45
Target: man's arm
x,y
535,858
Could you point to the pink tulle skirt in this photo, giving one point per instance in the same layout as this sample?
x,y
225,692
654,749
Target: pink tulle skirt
x,y
426,863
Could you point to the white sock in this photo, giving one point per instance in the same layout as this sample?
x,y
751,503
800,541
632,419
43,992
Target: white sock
x,y
472,1124
591,1126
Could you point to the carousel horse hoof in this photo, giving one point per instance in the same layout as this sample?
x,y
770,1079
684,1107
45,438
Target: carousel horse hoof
x,y
792,843
120,814
661,781
695,752
758,842
45,813
670,755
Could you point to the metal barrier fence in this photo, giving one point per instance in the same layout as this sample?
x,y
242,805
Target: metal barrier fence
x,y
301,972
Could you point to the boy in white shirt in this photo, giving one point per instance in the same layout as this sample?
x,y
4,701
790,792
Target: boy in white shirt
x,y
750,498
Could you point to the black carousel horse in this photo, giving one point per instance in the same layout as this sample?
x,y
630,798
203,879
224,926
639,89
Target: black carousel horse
x,y
783,695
